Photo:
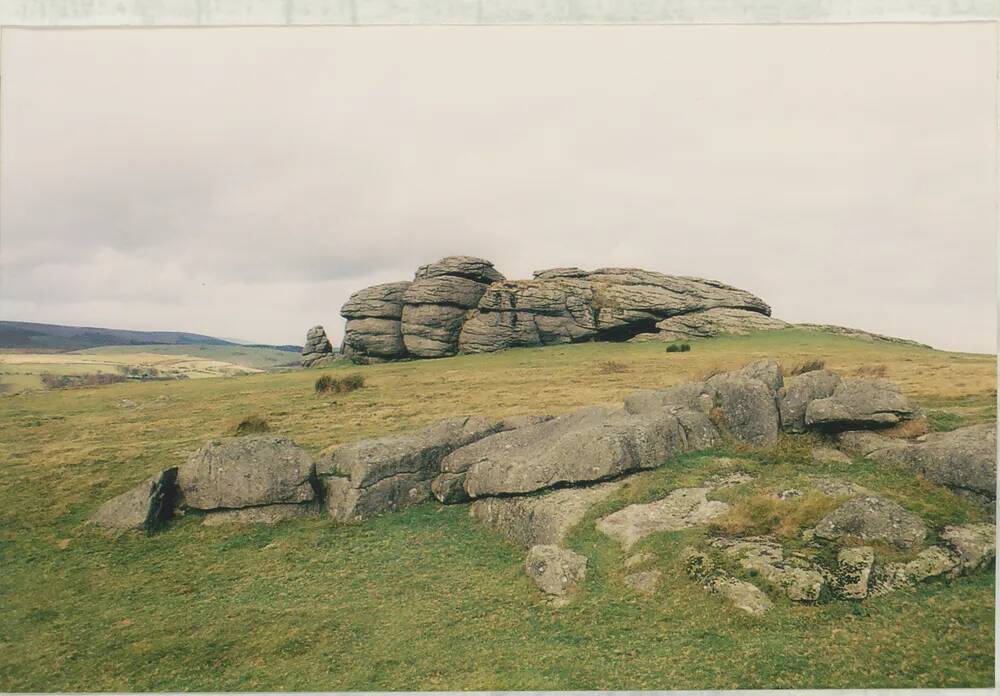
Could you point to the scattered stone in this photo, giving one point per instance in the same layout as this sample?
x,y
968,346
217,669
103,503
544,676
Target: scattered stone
x,y
127,403
743,595
147,506
555,570
836,488
854,569
798,580
860,403
872,518
540,519
932,562
788,494
828,455
239,472
644,582
975,544
682,508
370,477
801,390
266,514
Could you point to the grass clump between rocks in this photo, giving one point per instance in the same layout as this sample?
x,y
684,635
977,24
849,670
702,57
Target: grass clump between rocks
x,y
808,366
327,383
252,425
764,514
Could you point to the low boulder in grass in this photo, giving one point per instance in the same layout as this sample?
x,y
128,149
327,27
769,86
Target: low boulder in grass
x,y
242,472
556,571
389,473
801,390
859,404
871,518
147,506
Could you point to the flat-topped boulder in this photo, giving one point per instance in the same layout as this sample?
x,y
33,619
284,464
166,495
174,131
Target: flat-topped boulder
x,y
860,404
239,472
471,267
871,518
798,391
717,322
681,509
373,327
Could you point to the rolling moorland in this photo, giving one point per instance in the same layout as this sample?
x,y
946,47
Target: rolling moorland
x,y
429,598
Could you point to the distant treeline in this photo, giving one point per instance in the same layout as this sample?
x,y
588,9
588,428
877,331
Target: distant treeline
x,y
124,373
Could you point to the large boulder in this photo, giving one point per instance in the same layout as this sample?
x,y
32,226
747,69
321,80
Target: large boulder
x,y
370,477
375,337
432,330
147,506
471,267
383,301
975,545
871,518
801,390
963,459
746,407
860,404
717,322
681,509
591,444
541,519
239,472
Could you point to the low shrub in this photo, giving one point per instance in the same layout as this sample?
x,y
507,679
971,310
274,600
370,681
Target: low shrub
x,y
90,379
808,366
348,383
678,347
252,424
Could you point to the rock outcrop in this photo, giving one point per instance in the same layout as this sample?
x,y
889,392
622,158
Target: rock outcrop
x,y
317,346
463,304
801,390
872,518
147,506
860,404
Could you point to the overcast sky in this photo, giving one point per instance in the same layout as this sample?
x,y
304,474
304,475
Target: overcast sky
x,y
243,182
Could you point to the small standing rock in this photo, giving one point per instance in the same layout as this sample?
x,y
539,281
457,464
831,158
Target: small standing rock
x,y
854,571
555,570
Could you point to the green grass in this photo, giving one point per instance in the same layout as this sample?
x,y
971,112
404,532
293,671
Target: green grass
x,y
429,598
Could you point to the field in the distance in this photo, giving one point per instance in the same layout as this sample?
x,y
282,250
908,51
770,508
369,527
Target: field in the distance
x,y
428,598
21,371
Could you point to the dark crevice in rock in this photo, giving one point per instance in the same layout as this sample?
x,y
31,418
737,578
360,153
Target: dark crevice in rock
x,y
163,496
620,334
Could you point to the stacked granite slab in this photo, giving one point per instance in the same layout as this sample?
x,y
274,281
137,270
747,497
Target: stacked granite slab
x,y
317,346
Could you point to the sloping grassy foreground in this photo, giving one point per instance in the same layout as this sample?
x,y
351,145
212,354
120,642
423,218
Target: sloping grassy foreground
x,y
429,598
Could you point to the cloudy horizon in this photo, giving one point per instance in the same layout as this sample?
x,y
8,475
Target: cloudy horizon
x,y
243,182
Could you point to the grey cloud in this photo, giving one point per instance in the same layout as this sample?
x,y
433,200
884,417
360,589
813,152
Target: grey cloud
x,y
244,182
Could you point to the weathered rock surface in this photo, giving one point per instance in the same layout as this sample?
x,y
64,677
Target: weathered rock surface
x,y
691,395
828,455
801,390
860,404
541,519
931,562
591,444
974,544
266,514
717,322
682,508
239,472
799,580
644,582
147,506
555,570
742,595
854,570
317,346
873,519
390,473
560,305
375,337
749,412
963,459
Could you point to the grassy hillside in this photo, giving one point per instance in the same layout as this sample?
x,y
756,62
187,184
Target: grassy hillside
x,y
429,598
257,357
30,336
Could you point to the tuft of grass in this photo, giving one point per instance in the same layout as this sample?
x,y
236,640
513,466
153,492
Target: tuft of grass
x,y
612,367
251,425
328,383
679,348
871,371
765,514
909,429
944,421
808,366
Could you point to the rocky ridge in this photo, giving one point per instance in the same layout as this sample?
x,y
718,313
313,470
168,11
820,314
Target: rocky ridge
x,y
536,478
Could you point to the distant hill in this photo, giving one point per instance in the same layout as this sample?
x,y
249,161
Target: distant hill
x,y
30,336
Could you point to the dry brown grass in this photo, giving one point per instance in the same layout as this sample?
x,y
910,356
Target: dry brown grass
x,y
872,371
808,366
909,429
609,367
765,514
